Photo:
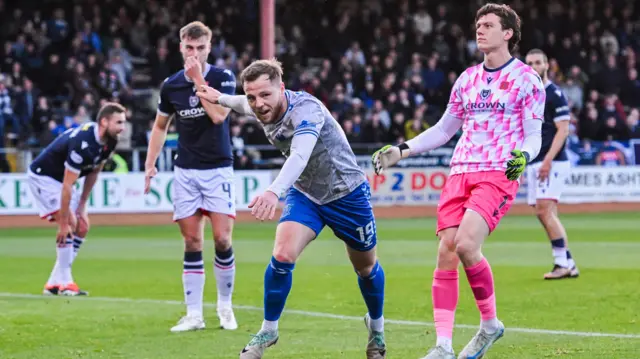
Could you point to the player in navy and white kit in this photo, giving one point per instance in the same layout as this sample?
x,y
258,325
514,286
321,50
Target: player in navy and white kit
x,y
546,174
204,180
78,152
324,186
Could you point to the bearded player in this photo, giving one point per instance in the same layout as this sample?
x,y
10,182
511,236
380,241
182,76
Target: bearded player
x,y
548,171
79,152
324,187
499,105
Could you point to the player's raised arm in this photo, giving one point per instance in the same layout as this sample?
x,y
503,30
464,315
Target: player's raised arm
x,y
434,137
237,103
217,113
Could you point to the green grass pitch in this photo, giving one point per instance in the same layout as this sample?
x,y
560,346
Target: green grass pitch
x,y
134,276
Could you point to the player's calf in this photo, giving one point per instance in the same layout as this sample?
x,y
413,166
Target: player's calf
x,y
564,265
193,275
82,229
445,293
278,278
371,281
224,269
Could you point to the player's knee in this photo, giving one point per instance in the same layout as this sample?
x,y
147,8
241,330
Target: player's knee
x,y
364,264
544,210
447,244
222,240
284,256
465,245
192,243
82,229
447,259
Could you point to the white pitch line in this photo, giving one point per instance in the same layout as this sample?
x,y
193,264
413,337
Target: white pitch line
x,y
325,315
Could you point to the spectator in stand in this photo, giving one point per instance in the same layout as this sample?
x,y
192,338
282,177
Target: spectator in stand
x,y
372,65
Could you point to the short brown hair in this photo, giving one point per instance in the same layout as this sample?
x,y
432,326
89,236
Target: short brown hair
x,y
195,30
538,52
271,68
108,109
509,19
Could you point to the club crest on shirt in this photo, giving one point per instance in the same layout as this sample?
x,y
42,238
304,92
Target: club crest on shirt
x,y
484,94
193,101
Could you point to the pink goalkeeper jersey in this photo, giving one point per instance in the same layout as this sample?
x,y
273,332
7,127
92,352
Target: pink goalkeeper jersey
x,y
493,105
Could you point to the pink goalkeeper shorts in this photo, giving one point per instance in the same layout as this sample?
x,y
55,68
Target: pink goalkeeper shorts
x,y
488,193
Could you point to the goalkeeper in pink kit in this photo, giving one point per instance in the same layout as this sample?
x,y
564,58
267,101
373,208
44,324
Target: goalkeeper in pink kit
x,y
499,105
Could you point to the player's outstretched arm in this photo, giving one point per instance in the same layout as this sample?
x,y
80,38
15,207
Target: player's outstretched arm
x,y
156,142
216,112
237,103
432,138
193,69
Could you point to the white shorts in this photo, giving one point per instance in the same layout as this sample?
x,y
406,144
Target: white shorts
x,y
211,190
552,187
47,193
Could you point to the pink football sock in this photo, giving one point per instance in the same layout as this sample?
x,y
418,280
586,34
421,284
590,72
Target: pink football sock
x,y
481,281
445,300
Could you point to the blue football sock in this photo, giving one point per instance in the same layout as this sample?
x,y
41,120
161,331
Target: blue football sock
x,y
372,289
277,284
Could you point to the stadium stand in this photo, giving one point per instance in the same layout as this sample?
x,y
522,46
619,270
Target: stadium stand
x,y
383,67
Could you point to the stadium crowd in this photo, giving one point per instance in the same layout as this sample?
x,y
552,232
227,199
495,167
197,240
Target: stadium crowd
x,y
383,67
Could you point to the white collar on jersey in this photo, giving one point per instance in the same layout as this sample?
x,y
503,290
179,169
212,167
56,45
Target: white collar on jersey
x,y
207,67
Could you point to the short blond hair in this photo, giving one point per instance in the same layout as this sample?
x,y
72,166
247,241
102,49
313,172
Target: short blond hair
x,y
195,30
538,52
271,67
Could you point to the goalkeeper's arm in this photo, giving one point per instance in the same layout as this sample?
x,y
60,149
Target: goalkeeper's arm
x,y
237,103
436,136
532,138
432,138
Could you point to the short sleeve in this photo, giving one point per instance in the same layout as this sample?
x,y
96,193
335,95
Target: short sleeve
x,y
78,155
307,118
560,107
533,98
165,108
227,83
455,106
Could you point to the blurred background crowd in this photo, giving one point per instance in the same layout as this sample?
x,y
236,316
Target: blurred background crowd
x,y
383,67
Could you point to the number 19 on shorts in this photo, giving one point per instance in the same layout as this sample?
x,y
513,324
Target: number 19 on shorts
x,y
367,233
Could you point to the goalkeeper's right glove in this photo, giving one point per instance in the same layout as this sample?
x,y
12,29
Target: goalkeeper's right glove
x,y
388,156
516,165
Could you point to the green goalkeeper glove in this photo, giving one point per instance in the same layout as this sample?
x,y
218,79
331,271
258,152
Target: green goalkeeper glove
x,y
516,165
388,156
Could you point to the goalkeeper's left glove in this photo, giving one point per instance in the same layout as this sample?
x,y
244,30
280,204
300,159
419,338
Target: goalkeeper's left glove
x,y
516,165
388,156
